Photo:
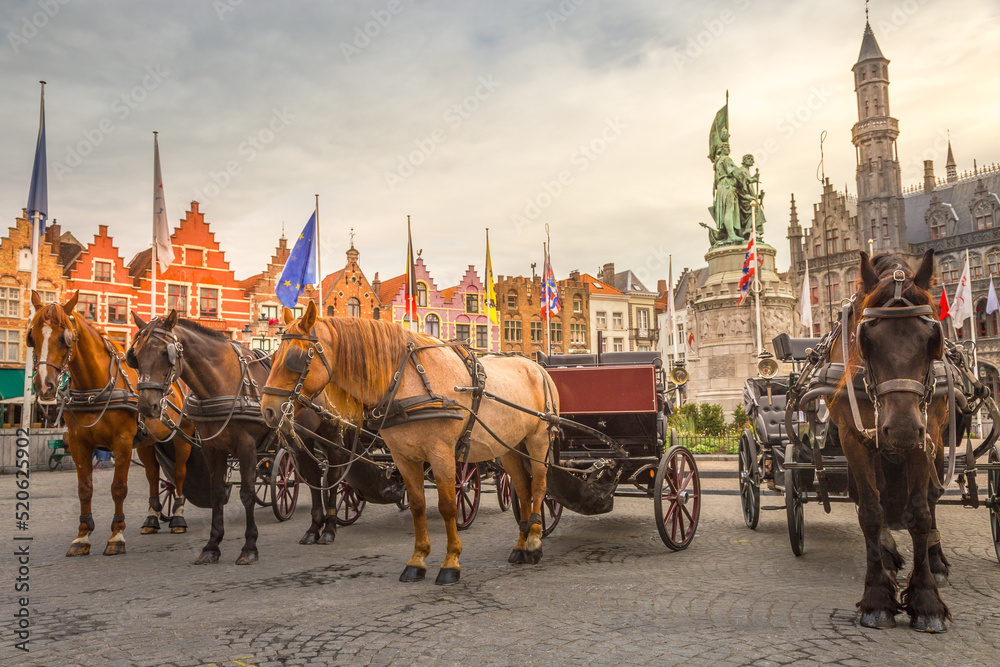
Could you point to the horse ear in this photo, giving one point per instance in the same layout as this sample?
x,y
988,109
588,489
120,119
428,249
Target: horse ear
x,y
288,315
70,305
869,279
138,320
309,319
926,270
36,301
171,320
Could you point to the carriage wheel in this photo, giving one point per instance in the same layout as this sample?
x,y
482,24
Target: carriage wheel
x,y
284,485
502,481
793,509
551,512
993,501
468,489
167,496
403,503
749,481
678,486
349,504
262,482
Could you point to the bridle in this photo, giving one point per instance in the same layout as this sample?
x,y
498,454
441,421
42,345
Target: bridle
x,y
300,364
175,357
62,371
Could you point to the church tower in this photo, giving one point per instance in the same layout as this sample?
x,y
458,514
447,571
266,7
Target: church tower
x,y
795,237
880,199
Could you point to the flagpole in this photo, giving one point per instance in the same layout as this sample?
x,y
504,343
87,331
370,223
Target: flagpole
x,y
545,292
27,404
319,269
807,299
975,323
488,271
152,265
673,322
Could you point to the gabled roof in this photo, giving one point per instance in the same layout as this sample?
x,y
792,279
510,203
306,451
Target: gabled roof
x,y
595,286
331,281
626,281
388,289
139,264
869,47
248,284
448,294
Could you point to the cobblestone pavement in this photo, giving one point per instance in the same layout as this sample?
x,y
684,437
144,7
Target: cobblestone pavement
x,y
606,592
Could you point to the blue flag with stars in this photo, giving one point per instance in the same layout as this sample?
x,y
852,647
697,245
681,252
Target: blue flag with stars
x,y
300,269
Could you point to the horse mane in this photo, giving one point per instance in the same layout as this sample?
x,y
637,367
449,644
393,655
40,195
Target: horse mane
x,y
194,327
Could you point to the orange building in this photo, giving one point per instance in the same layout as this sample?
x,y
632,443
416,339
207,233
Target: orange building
x,y
106,291
266,311
348,293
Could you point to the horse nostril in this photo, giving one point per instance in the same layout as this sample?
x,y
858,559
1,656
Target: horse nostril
x,y
269,415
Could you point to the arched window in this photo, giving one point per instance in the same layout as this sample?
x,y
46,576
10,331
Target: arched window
x,y
989,376
432,326
813,290
512,299
577,304
376,314
833,287
353,307
852,281
329,311
422,294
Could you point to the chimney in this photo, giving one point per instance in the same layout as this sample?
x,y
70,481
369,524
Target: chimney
x,y
574,275
929,176
608,273
376,285
53,234
661,286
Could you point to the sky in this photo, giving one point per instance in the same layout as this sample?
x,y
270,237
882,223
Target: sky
x,y
589,118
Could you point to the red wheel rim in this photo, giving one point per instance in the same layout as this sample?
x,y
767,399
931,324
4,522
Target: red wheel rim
x,y
286,486
503,488
468,486
349,504
167,495
682,492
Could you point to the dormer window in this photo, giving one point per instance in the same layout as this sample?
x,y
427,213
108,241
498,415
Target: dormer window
x,y
938,226
983,213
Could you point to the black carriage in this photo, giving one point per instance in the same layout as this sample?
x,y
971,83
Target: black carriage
x,y
792,449
621,401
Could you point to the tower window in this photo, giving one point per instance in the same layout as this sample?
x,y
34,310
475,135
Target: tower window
x,y
976,266
984,221
885,227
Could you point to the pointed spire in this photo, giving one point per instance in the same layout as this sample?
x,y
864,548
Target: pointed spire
x,y
794,215
951,168
869,47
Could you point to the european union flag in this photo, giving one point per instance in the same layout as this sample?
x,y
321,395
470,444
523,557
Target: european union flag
x,y
38,194
300,269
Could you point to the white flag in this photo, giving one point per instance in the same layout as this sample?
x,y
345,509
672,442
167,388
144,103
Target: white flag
x,y
962,305
991,301
807,309
161,228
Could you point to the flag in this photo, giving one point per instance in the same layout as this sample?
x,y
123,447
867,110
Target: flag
x,y
691,342
550,292
411,276
749,269
161,228
670,326
963,298
491,292
943,311
38,193
300,269
991,301
807,309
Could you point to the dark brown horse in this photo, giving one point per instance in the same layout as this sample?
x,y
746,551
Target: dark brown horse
x,y
901,436
66,345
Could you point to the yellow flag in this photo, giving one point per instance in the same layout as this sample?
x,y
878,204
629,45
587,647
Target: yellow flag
x,y
491,294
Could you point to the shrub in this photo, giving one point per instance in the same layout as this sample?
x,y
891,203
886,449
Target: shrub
x,y
711,419
740,418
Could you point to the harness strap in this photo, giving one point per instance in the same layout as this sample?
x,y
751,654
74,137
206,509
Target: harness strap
x,y
849,385
901,385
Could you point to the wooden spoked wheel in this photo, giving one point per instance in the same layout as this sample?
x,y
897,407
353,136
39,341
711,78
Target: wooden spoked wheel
x,y
993,500
502,481
167,495
262,482
284,485
795,514
468,489
749,480
551,512
677,498
349,504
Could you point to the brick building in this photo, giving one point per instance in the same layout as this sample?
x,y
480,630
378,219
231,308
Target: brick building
x,y
347,292
522,323
106,290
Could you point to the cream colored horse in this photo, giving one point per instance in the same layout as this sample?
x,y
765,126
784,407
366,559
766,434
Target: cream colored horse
x,y
363,357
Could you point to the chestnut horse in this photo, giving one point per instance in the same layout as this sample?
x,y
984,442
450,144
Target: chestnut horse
x,y
354,362
902,436
66,344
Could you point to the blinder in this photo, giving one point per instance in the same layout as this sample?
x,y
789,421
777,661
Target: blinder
x,y
172,353
130,359
68,338
298,360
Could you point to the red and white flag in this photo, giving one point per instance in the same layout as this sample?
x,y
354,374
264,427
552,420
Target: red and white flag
x,y
963,298
749,269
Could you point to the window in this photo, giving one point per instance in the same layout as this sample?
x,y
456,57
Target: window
x,y
102,272
602,319
10,345
885,227
265,344
616,320
512,299
578,333
937,227
472,303
619,345
833,287
462,332
555,330
852,281
976,266
119,337
376,313
194,257
10,302
536,331
814,290
642,319
329,311
874,229
482,336
993,263
984,221
177,296
604,344
117,310
577,304
831,241
297,312
422,295
512,331
354,308
847,243
47,296
949,274
208,302
432,326
86,305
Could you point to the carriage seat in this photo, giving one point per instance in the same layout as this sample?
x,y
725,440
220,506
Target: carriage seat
x,y
787,348
771,417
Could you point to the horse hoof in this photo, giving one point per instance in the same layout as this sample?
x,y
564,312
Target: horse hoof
x,y
114,549
880,620
207,558
412,574
940,579
78,549
148,530
930,624
517,557
308,538
447,576
326,538
247,558
177,530
533,557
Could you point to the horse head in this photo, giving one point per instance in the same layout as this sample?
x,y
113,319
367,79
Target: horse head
x,y
52,335
155,354
295,361
897,341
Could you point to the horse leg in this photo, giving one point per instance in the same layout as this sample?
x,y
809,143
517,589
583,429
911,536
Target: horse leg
x,y
940,567
921,599
512,464
533,544
893,502
444,479
182,451
413,477
83,458
892,560
329,521
248,459
152,469
878,605
119,490
310,472
216,461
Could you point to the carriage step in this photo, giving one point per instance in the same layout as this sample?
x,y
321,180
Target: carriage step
x,y
773,507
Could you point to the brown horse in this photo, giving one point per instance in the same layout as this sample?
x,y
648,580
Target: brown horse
x,y
354,362
904,428
66,344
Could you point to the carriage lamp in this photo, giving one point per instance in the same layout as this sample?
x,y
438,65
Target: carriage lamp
x,y
767,367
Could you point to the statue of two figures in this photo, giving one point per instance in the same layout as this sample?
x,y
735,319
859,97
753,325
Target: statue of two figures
x,y
736,191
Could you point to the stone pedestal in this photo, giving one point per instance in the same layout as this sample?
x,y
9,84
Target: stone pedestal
x,y
725,353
